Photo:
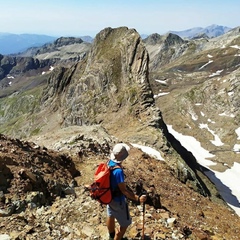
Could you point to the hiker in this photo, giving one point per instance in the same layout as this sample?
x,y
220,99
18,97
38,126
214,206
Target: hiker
x,y
118,207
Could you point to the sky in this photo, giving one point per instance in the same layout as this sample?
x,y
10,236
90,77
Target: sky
x,y
88,17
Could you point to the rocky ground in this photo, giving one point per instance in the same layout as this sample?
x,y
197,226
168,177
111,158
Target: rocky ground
x,y
60,208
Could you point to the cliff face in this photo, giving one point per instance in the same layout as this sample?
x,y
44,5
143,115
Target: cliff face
x,y
109,86
17,65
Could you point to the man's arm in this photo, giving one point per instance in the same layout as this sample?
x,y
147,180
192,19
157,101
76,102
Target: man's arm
x,y
129,194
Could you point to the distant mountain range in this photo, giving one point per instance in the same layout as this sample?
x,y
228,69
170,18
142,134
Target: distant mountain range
x,y
16,43
210,31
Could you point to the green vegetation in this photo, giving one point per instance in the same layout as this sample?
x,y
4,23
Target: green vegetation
x,y
195,95
191,48
133,94
16,108
35,132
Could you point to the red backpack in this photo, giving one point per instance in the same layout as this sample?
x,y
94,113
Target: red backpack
x,y
100,189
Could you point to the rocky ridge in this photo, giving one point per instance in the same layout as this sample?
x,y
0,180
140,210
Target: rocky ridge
x,y
64,51
113,79
74,215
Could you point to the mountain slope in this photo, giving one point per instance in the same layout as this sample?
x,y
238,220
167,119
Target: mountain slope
x,y
177,211
114,94
198,94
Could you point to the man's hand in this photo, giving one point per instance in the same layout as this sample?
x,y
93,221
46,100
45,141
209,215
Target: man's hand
x,y
143,199
129,194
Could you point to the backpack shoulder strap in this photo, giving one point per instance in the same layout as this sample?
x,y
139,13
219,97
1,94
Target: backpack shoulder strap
x,y
112,168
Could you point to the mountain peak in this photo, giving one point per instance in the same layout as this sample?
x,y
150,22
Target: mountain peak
x,y
211,31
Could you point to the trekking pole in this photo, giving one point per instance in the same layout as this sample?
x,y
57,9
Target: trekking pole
x,y
143,220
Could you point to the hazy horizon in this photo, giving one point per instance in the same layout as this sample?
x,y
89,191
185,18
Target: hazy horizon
x,y
78,17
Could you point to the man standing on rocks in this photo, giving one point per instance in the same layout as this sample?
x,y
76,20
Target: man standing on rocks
x,y
118,207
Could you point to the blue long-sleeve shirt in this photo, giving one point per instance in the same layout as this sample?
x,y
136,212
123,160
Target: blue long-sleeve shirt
x,y
116,177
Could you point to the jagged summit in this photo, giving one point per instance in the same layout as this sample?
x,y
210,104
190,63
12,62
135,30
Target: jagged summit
x,y
167,39
153,39
112,82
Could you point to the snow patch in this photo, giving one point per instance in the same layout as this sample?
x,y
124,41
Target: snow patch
x,y
192,145
210,61
235,46
238,133
226,115
161,81
236,148
161,94
193,115
216,73
150,151
217,141
226,182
